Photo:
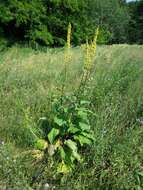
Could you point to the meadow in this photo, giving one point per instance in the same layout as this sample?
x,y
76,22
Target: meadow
x,y
29,78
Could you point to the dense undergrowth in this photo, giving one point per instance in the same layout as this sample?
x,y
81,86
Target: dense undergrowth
x,y
29,78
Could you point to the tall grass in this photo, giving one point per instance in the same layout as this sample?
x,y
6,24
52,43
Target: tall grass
x,y
27,81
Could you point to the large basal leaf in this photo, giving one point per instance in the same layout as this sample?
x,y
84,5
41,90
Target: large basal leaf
x,y
82,114
82,140
88,135
53,134
59,122
62,153
77,156
84,126
73,129
71,144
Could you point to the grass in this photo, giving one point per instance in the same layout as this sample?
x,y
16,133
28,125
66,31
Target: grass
x,y
27,80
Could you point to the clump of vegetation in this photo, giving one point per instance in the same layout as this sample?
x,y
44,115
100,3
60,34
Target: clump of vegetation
x,y
69,127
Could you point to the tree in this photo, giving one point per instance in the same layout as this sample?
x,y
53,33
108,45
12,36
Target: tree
x,y
136,22
112,16
44,21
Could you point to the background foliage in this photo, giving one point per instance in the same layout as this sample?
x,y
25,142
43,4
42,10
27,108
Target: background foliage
x,y
45,22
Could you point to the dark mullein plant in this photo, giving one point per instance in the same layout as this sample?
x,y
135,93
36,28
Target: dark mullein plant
x,y
68,129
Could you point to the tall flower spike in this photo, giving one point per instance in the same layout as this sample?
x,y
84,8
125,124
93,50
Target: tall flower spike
x,y
69,36
68,45
87,64
91,51
94,43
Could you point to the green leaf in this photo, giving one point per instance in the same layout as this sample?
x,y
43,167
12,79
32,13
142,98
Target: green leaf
x,y
82,114
84,102
84,126
140,173
62,153
73,130
71,144
41,144
59,122
88,135
83,110
82,140
53,134
65,110
77,156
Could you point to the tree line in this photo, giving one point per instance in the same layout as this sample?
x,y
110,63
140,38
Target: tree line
x,y
44,22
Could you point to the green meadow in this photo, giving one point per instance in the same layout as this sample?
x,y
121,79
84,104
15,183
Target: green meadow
x,y
29,78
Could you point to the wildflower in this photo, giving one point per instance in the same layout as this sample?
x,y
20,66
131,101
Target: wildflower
x,y
91,51
87,56
68,45
69,36
94,43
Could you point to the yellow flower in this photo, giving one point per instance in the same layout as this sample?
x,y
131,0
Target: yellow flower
x,y
68,45
87,56
69,36
94,43
91,51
